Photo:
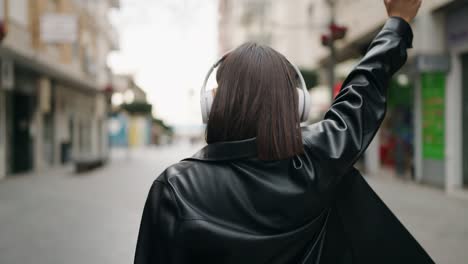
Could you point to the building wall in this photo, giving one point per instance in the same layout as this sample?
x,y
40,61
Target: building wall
x,y
236,22
456,24
296,30
139,131
281,28
431,38
118,132
360,27
292,29
70,110
428,40
38,124
80,121
2,135
131,131
430,30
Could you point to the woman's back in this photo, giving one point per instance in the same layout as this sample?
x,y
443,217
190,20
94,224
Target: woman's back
x,y
227,204
227,210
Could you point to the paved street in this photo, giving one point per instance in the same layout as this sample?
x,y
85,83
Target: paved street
x,y
59,217
439,222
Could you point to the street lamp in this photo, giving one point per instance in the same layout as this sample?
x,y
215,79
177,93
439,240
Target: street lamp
x,y
335,32
331,45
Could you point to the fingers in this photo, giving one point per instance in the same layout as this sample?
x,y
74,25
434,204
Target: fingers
x,y
418,5
406,9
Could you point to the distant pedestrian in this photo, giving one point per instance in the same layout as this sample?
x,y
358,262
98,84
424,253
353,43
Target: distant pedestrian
x,y
265,190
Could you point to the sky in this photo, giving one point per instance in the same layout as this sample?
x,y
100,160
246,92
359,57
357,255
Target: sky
x,y
169,46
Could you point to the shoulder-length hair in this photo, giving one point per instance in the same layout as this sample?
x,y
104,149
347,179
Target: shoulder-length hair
x,y
257,97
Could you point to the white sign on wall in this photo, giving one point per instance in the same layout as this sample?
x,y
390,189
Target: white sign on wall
x,y
59,28
433,63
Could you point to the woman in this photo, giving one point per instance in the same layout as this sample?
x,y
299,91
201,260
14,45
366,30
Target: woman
x,y
266,191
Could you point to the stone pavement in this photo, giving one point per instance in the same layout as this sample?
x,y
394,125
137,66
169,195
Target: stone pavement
x,y
58,217
62,218
438,221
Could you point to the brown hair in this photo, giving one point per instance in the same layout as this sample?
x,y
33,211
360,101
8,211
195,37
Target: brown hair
x,y
257,97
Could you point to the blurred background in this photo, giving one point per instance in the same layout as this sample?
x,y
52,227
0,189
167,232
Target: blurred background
x,y
97,97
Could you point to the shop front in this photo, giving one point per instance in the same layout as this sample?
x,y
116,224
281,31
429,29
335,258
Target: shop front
x,y
396,135
2,134
464,59
457,99
21,105
433,110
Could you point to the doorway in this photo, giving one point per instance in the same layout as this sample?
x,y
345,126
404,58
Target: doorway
x,y
22,148
396,136
465,117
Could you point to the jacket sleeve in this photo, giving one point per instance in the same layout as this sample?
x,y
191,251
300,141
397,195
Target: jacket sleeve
x,y
147,245
350,124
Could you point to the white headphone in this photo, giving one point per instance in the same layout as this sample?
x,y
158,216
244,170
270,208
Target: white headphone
x,y
207,96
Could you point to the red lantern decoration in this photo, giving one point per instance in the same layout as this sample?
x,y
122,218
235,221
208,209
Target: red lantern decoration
x,y
109,89
336,32
326,40
3,30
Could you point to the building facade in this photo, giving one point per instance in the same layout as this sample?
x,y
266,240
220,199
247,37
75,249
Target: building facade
x,y
54,72
290,28
131,121
425,134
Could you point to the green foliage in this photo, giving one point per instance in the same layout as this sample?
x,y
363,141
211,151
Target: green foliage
x,y
400,95
168,129
310,77
137,108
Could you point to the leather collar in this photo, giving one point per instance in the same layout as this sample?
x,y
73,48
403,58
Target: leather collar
x,y
228,150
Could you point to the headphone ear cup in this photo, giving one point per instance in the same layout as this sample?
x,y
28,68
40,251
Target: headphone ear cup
x,y
203,107
209,100
303,102
300,103
307,105
206,103
206,97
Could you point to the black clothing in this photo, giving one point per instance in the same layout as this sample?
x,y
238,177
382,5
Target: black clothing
x,y
224,205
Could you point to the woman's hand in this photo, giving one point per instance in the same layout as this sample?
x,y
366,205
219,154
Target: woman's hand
x,y
406,9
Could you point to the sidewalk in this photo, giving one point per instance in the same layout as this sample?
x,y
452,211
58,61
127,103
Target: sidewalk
x,y
437,220
387,174
58,217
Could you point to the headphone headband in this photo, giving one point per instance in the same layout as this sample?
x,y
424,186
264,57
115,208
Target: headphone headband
x,y
206,97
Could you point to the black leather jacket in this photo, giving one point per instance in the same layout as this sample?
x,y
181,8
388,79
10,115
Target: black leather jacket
x,y
224,205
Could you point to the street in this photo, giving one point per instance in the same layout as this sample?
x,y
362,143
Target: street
x,y
59,217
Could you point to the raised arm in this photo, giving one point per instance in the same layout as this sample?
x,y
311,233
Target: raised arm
x,y
357,112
